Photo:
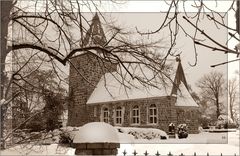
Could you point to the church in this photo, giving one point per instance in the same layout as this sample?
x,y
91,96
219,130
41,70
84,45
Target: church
x,y
97,92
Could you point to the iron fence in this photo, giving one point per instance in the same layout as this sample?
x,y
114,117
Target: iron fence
x,y
124,153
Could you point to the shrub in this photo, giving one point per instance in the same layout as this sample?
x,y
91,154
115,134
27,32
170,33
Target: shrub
x,y
230,125
182,131
205,122
65,138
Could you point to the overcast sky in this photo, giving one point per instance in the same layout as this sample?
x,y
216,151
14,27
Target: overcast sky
x,y
146,15
151,21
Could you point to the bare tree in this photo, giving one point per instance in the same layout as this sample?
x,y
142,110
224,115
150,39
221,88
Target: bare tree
x,y
177,10
65,18
51,34
232,95
211,86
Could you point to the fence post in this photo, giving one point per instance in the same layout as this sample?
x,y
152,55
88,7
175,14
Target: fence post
x,y
96,144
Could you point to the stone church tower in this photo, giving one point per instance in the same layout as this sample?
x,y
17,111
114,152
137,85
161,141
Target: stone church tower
x,y
86,69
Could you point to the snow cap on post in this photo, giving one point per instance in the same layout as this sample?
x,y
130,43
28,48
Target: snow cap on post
x,y
96,132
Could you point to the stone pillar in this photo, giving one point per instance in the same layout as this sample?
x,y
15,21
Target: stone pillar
x,y
96,138
96,148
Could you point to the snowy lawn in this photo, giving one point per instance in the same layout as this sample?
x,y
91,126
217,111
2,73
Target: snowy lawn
x,y
142,133
225,143
28,149
229,146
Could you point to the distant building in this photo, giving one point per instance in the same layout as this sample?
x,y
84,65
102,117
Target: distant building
x,y
97,94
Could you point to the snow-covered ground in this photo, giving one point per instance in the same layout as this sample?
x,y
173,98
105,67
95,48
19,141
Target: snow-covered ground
x,y
139,134
228,146
28,149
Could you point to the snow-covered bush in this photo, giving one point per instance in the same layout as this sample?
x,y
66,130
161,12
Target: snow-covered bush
x,y
182,131
200,129
67,134
65,138
224,121
205,121
143,133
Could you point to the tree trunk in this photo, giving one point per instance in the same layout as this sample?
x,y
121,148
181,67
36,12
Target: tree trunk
x,y
231,111
218,107
6,7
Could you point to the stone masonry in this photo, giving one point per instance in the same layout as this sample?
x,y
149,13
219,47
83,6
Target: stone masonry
x,y
85,72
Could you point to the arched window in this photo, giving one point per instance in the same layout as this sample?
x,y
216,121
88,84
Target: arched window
x,y
119,116
152,114
135,115
105,115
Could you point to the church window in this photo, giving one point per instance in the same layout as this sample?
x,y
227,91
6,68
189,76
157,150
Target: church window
x,y
119,116
135,115
95,112
152,114
105,115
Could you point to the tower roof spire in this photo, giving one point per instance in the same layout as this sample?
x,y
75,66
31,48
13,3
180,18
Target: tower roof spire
x,y
95,34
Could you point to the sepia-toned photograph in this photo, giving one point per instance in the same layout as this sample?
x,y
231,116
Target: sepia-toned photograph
x,y
122,78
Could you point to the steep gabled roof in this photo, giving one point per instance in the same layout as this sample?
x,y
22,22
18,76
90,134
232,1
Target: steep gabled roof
x,y
180,88
113,87
179,78
95,34
184,98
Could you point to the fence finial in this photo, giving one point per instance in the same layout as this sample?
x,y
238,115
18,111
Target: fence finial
x,y
124,152
207,154
181,154
170,154
157,154
146,153
134,153
194,154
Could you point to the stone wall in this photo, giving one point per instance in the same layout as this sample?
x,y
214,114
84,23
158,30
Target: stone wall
x,y
85,72
188,116
167,113
96,148
165,108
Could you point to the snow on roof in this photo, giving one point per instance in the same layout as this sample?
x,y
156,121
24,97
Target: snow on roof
x,y
96,132
112,87
184,98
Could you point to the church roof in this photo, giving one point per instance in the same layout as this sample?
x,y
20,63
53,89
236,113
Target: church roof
x,y
184,98
95,34
112,87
